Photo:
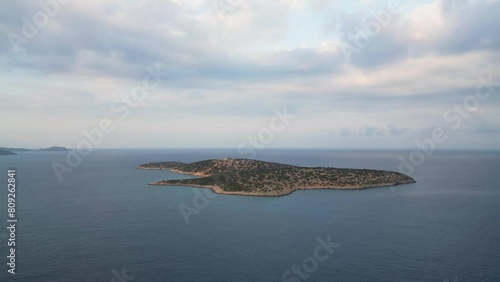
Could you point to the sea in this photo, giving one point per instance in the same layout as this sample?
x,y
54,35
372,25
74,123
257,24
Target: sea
x,y
103,222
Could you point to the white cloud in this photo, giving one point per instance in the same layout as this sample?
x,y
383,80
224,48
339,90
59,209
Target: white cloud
x,y
228,73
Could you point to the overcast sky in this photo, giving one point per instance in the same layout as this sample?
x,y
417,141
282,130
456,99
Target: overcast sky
x,y
353,74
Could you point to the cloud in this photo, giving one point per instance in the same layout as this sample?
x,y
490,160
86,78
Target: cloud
x,y
395,130
345,132
371,131
258,56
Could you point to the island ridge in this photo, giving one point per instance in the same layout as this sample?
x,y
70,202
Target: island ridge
x,y
259,178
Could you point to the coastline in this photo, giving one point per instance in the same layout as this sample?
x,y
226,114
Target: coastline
x,y
218,190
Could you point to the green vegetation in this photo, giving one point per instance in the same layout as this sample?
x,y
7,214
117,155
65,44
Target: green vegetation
x,y
245,176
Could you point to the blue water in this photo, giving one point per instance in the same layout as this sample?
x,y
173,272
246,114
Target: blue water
x,y
103,218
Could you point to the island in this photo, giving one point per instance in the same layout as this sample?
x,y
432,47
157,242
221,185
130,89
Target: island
x,y
4,152
55,149
14,149
50,149
250,177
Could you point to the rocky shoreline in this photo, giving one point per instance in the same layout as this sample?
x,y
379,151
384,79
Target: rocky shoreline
x,y
257,178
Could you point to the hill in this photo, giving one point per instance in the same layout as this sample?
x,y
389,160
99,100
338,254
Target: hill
x,y
14,149
6,152
50,149
55,149
260,178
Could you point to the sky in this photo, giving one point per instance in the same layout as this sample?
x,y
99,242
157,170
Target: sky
x,y
250,74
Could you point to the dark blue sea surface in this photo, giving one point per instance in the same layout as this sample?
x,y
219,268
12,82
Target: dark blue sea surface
x,y
104,223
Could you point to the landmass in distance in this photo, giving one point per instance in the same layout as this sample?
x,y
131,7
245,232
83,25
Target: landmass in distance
x,y
260,178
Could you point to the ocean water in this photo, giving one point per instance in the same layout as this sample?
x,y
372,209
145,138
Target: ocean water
x,y
104,223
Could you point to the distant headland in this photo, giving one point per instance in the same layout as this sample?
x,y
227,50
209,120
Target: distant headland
x,y
54,149
259,178
6,152
12,151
